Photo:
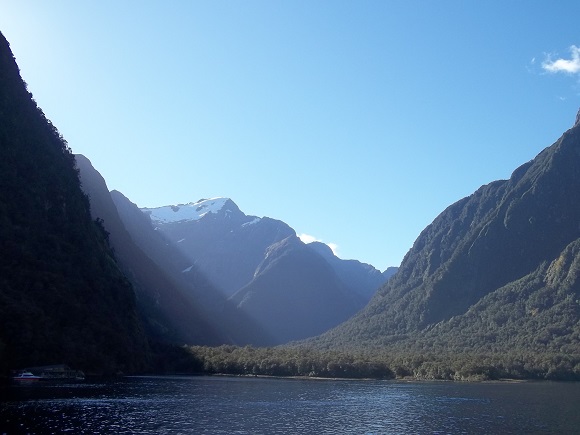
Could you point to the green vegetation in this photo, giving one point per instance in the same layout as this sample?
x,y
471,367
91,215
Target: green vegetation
x,y
375,364
62,297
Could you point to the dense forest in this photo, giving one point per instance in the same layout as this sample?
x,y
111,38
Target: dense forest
x,y
379,363
63,298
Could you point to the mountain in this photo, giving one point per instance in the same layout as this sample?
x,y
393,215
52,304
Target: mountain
x,y
295,293
229,245
389,272
290,290
166,255
495,271
169,309
63,298
222,241
233,326
362,279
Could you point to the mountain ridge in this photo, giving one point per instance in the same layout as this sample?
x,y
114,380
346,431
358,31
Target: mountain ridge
x,y
253,260
63,298
168,313
504,232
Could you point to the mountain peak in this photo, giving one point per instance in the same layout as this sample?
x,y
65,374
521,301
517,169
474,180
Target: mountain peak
x,y
577,118
192,211
322,248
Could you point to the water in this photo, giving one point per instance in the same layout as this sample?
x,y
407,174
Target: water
x,y
228,405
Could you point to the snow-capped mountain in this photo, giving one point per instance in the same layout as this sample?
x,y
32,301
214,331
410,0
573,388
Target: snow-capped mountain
x,y
235,252
173,309
216,236
188,212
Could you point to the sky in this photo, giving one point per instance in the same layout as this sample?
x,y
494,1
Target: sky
x,y
355,122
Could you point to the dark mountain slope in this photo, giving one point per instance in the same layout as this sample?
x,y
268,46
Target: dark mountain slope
x,y
362,279
62,297
166,255
272,279
168,312
233,326
295,293
538,312
505,232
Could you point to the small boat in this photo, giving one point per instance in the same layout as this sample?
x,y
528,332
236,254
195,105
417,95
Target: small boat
x,y
53,373
26,377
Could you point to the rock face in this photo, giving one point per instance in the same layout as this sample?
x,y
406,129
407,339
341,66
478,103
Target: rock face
x,y
510,234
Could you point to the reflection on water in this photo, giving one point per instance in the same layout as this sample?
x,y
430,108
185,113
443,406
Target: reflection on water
x,y
224,405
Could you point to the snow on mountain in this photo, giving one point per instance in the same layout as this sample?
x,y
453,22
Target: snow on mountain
x,y
252,222
185,212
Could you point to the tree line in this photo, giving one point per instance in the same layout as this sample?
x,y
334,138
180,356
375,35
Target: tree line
x,y
289,361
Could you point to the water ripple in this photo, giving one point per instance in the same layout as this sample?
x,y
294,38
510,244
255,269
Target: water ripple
x,y
203,405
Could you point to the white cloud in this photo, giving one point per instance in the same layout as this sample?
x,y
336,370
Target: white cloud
x,y
570,66
334,248
307,238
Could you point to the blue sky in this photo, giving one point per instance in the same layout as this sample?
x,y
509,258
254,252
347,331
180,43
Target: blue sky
x,y
356,122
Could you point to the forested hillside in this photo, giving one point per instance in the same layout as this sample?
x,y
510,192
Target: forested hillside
x,y
496,271
63,298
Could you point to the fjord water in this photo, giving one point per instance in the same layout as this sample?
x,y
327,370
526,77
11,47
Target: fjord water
x,y
229,405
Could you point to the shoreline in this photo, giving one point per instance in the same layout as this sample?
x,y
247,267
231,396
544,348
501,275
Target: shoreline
x,y
408,379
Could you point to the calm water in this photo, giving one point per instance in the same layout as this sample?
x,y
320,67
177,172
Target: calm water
x,y
224,405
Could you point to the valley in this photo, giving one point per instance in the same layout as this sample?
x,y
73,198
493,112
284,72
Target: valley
x,y
489,290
